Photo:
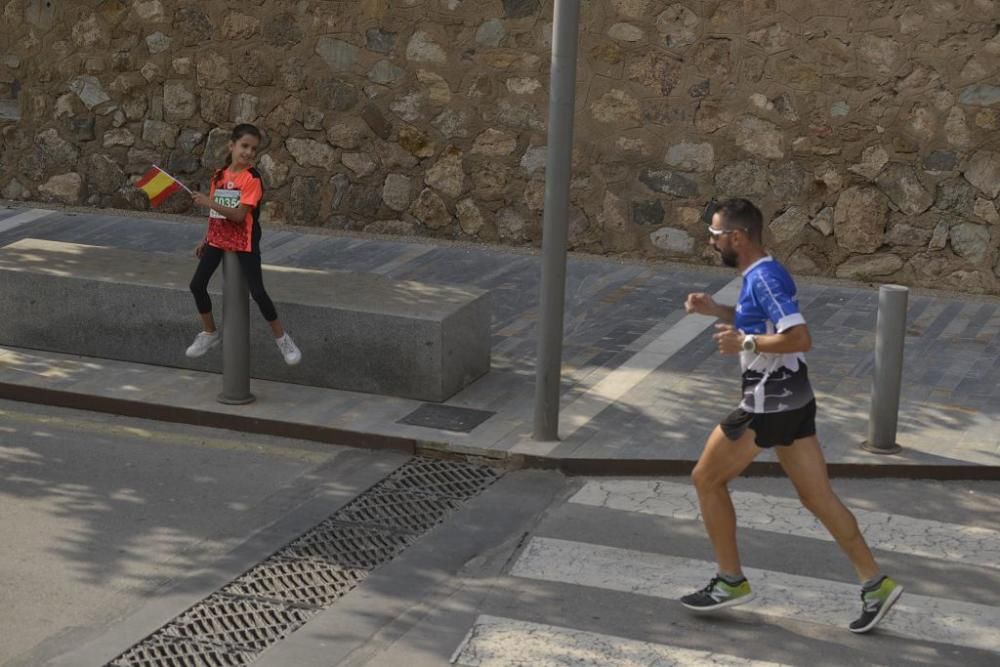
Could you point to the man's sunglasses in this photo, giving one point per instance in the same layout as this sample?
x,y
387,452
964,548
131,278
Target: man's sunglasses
x,y
716,233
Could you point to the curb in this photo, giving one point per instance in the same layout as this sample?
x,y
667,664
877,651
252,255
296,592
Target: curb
x,y
569,466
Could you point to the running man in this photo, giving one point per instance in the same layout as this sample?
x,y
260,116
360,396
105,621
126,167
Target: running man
x,y
778,410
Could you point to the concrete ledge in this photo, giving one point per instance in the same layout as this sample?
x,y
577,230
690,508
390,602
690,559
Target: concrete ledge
x,y
358,332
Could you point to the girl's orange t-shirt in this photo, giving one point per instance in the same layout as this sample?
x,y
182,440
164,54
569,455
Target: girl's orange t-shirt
x,y
234,189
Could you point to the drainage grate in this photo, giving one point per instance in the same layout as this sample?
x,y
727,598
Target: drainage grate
x,y
441,478
233,621
446,417
347,546
399,510
304,582
160,651
270,601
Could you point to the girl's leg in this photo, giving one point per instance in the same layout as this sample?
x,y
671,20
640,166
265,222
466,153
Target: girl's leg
x,y
207,322
250,262
209,262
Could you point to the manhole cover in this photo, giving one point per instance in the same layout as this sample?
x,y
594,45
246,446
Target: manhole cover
x,y
446,417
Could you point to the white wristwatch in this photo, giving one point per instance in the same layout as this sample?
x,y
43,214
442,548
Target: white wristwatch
x,y
750,343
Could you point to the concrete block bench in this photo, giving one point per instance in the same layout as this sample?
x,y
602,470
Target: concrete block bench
x,y
357,331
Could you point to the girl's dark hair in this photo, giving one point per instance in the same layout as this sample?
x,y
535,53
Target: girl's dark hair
x,y
240,131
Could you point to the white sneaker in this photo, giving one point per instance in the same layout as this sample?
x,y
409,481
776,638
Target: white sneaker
x,y
203,342
289,350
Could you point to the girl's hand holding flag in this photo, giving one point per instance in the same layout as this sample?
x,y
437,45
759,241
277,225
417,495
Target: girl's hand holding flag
x,y
201,199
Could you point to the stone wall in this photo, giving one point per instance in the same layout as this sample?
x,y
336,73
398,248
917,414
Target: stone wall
x,y
866,129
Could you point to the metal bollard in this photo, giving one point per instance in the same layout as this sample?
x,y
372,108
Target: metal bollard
x,y
235,334
890,333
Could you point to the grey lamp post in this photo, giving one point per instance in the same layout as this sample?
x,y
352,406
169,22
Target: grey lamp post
x,y
558,168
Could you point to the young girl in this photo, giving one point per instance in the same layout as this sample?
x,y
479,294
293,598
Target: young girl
x,y
234,224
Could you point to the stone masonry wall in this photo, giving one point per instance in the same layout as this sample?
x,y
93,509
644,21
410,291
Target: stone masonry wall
x,y
866,129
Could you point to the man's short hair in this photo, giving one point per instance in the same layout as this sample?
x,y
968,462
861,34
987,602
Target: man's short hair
x,y
741,213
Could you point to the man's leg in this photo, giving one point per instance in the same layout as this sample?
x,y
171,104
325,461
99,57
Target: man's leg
x,y
804,464
720,462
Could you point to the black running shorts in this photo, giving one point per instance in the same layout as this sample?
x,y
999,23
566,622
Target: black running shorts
x,y
772,429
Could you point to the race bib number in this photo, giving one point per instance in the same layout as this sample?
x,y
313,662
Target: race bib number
x,y
227,198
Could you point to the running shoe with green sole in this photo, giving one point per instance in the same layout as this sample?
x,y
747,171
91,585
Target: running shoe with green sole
x,y
718,595
875,604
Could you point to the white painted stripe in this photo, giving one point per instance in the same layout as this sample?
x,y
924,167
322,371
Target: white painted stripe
x,y
502,642
627,376
30,215
777,594
926,538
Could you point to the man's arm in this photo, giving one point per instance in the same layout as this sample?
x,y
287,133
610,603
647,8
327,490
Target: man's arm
x,y
777,298
791,340
783,310
704,304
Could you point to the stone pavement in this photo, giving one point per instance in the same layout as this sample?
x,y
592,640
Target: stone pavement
x,y
642,383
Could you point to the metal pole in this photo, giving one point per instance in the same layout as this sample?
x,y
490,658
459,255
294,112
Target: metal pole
x,y
558,168
235,334
889,337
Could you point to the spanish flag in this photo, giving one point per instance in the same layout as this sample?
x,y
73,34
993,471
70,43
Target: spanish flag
x,y
158,185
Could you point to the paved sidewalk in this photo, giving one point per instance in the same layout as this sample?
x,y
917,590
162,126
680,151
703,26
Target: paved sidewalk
x,y
642,383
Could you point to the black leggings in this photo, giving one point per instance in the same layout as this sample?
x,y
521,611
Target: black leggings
x,y
249,262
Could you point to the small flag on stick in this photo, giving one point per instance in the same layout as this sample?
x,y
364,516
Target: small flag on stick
x,y
158,185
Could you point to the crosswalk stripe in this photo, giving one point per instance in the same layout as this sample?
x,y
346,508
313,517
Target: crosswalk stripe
x,y
30,215
779,514
777,593
500,642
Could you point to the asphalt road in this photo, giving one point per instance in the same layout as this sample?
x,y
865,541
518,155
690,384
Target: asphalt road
x,y
112,527
105,517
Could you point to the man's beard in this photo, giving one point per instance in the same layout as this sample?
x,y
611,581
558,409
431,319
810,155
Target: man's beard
x,y
729,258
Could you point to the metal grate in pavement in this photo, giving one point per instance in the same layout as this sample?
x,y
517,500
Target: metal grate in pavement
x,y
311,583
161,651
354,547
441,478
232,627
233,621
446,417
398,510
